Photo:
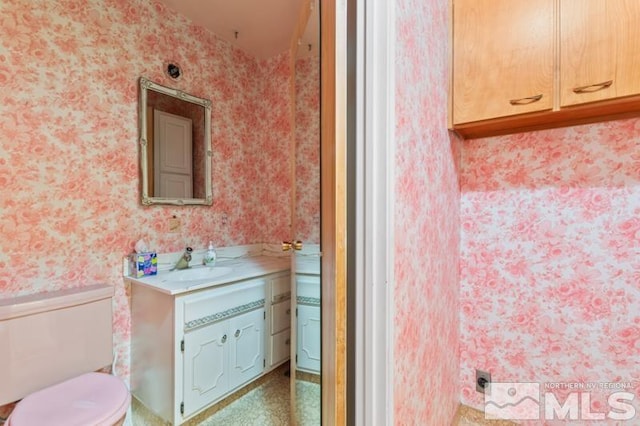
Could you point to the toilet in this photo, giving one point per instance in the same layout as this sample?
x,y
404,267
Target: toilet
x,y
52,345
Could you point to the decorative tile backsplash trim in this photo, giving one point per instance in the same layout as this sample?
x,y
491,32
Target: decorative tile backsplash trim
x,y
311,301
219,316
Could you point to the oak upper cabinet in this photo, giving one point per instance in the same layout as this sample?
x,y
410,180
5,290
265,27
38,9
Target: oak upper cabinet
x,y
599,50
522,65
503,58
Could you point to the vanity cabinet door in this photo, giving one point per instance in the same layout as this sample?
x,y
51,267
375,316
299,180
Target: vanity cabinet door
x,y
206,373
246,356
503,58
599,50
309,338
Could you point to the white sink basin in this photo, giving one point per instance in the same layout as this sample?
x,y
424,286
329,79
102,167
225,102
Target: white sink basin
x,y
200,273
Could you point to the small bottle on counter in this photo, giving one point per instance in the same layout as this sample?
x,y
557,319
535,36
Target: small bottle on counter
x,y
210,256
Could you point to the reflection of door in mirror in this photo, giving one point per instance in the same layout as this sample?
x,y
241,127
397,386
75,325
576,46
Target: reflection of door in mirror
x,y
306,263
172,163
176,165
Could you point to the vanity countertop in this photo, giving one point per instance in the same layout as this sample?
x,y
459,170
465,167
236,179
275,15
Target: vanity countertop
x,y
242,268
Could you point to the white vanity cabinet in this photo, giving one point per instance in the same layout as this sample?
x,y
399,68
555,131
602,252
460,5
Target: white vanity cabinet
x,y
191,349
223,341
309,331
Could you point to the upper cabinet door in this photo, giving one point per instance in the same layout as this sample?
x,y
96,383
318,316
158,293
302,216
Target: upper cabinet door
x,y
503,58
600,50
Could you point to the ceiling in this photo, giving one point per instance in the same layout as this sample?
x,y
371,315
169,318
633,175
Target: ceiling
x,y
261,28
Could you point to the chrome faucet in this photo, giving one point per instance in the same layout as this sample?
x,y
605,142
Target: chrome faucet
x,y
183,262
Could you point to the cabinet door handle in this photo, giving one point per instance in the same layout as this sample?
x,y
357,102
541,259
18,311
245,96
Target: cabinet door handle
x,y
237,333
224,338
287,342
593,87
289,311
526,101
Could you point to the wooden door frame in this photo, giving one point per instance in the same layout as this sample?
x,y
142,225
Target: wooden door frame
x,y
333,227
357,194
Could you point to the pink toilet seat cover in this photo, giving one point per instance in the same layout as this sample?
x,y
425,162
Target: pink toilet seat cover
x,y
89,399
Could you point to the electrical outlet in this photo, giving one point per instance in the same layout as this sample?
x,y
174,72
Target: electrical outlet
x,y
483,382
224,219
174,224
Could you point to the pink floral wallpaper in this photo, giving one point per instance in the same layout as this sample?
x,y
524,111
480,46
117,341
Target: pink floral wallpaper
x,y
307,208
273,169
550,258
69,167
426,221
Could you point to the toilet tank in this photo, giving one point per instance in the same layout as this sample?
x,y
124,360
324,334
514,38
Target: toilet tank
x,y
47,338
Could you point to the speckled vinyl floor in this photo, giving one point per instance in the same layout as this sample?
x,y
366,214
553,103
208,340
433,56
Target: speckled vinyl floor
x,y
266,404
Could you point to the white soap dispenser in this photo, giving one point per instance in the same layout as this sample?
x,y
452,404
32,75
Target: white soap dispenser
x,y
210,256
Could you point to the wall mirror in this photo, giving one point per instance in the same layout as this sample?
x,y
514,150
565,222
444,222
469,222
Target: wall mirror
x,y
175,146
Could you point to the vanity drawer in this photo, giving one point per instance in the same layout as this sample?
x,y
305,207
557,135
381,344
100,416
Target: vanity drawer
x,y
222,302
280,347
280,288
280,316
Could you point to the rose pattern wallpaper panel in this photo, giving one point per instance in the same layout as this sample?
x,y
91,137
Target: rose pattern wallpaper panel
x,y
69,158
271,147
307,205
426,221
550,259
